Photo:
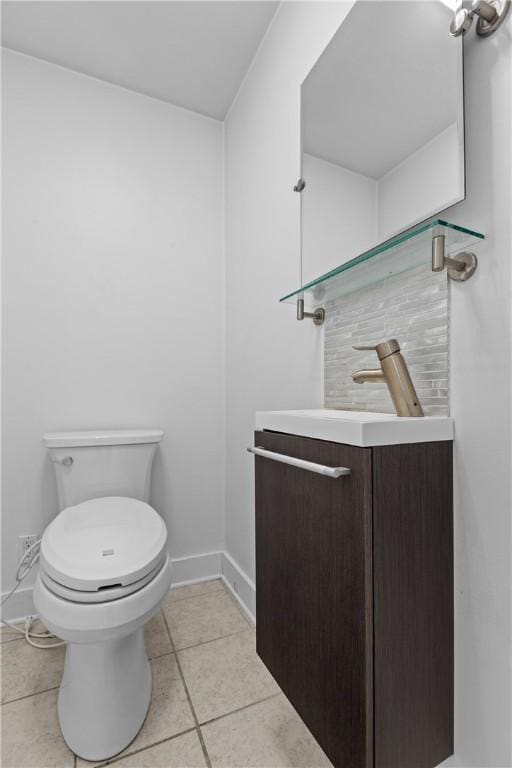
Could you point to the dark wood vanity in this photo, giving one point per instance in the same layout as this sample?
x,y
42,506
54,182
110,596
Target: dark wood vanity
x,y
354,596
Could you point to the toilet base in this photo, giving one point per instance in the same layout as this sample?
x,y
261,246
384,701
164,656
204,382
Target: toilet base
x,y
104,695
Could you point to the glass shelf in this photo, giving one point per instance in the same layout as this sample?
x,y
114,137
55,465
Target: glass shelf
x,y
403,252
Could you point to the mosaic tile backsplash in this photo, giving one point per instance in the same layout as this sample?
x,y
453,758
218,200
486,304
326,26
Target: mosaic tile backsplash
x,y
411,307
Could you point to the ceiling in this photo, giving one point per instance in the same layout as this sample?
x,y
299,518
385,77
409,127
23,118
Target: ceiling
x,y
389,81
192,54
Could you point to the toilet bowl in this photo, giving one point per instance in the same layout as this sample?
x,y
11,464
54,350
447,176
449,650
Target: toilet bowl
x,y
104,570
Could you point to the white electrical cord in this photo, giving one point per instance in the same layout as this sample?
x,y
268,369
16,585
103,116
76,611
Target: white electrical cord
x,y
29,561
23,569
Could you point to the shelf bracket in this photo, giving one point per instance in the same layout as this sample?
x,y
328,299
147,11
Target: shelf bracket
x,y
318,316
460,267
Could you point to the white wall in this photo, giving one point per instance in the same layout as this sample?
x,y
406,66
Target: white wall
x,y
113,279
480,386
418,187
273,361
339,216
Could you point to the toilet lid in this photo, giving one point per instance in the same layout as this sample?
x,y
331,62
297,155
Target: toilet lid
x,y
103,542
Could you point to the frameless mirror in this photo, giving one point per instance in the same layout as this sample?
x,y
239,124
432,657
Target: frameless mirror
x,y
382,130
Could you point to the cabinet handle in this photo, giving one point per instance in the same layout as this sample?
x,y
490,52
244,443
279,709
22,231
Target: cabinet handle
x,y
320,469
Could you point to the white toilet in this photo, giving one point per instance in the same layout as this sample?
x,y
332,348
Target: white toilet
x,y
104,572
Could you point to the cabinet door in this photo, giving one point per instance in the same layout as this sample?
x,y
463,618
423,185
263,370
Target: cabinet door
x,y
314,590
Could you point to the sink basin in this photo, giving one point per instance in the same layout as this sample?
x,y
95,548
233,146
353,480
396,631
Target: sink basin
x,y
357,427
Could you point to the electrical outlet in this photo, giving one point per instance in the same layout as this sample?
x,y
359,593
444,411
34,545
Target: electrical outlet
x,y
24,544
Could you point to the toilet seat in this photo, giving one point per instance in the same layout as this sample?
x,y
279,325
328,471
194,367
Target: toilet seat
x,y
100,622
105,595
102,549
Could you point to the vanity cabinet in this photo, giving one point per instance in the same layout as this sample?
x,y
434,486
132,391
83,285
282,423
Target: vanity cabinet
x,y
354,596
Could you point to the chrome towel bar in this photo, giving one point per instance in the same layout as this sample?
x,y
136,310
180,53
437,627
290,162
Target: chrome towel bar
x,y
320,469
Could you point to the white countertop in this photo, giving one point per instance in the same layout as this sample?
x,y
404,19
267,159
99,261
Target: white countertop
x,y
357,427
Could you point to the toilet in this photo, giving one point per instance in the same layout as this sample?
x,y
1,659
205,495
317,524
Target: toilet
x,y
104,570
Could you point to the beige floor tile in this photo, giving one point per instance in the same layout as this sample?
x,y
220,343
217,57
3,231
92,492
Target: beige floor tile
x,y
203,618
250,619
224,675
157,639
26,670
169,712
181,752
6,633
266,734
31,736
193,590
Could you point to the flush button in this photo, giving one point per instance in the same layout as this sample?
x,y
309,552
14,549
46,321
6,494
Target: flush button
x,y
107,552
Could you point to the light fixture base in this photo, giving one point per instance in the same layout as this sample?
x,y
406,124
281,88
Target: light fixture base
x,y
489,23
490,16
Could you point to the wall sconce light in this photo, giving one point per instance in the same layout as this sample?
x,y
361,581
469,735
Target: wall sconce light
x,y
490,16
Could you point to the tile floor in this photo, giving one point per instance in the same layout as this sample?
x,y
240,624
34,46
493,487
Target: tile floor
x,y
214,704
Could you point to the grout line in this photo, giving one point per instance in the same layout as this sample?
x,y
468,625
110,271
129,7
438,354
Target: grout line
x,y
226,714
196,721
160,655
29,695
123,754
240,709
174,651
203,747
213,640
178,599
193,597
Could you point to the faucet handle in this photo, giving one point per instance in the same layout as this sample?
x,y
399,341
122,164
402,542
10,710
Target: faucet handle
x,y
383,349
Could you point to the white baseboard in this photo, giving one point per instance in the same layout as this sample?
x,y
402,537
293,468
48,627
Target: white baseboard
x,y
242,587
186,570
195,568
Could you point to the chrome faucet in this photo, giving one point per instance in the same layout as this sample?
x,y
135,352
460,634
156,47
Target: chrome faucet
x,y
394,373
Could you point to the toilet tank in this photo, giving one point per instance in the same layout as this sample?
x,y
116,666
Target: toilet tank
x,y
89,465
